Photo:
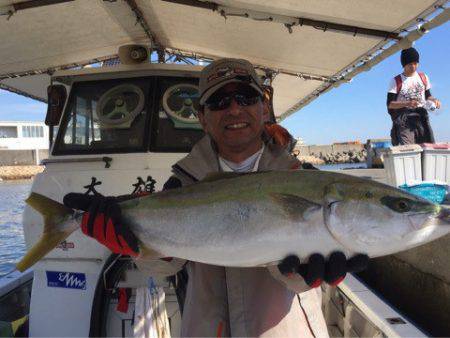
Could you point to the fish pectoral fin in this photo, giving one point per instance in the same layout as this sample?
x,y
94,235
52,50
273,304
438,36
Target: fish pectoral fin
x,y
333,193
298,208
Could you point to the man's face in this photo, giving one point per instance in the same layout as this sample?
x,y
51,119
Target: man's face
x,y
236,126
411,67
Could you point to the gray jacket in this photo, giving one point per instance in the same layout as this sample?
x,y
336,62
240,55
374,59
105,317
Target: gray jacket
x,y
238,302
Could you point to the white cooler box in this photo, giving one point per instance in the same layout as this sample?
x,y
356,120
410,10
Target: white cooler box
x,y
403,164
436,162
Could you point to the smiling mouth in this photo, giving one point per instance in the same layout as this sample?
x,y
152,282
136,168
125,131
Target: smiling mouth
x,y
235,126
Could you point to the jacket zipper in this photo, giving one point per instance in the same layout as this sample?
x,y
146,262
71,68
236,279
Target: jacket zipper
x,y
306,316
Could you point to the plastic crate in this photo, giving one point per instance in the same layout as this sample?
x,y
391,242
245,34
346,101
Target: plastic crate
x,y
403,164
433,192
385,144
436,162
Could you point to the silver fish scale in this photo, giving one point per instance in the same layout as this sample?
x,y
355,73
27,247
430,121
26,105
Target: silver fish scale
x,y
260,218
232,233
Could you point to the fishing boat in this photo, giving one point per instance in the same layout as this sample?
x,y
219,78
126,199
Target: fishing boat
x,y
117,126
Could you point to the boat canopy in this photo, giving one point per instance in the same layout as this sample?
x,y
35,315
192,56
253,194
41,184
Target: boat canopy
x,y
303,48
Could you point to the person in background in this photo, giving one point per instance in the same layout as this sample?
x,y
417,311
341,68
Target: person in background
x,y
275,132
281,300
408,99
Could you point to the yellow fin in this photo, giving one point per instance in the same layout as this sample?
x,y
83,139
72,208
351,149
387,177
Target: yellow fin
x,y
211,177
148,253
298,208
55,215
149,263
225,175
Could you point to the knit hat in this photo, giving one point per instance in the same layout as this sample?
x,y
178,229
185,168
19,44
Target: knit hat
x,y
408,56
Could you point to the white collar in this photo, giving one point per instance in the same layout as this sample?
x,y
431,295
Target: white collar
x,y
248,165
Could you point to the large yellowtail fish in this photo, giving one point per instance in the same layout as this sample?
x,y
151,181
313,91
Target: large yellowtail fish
x,y
258,219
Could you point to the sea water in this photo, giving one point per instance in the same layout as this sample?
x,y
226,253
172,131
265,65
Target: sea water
x,y
12,203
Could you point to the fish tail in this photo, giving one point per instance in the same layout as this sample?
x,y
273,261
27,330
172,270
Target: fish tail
x,y
54,214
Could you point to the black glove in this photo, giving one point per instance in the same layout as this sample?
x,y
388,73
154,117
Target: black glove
x,y
102,220
309,166
317,270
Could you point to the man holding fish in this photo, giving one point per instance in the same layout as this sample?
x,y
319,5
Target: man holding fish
x,y
229,301
256,237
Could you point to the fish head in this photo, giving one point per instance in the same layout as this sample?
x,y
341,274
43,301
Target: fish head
x,y
376,219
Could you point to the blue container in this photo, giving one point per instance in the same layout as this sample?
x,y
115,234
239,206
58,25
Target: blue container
x,y
431,191
385,144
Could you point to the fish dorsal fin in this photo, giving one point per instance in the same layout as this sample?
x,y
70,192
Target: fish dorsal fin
x,y
211,177
298,208
229,174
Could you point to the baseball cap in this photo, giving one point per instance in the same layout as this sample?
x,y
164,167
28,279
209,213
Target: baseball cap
x,y
223,71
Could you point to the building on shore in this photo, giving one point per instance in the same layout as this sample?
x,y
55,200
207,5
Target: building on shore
x,y
23,135
347,142
300,141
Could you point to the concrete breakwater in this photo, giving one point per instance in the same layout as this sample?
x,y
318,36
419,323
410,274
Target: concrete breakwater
x,y
21,164
330,154
20,172
345,157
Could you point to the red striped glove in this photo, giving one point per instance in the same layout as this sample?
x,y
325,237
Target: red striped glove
x,y
318,270
103,221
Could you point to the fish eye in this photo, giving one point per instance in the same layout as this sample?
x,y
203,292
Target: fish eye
x,y
396,204
403,205
369,194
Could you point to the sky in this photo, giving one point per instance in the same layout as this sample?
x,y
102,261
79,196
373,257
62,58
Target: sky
x,y
353,111
357,110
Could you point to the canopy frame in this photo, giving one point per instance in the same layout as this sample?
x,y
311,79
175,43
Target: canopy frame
x,y
288,21
385,44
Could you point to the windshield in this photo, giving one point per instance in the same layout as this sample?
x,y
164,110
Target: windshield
x,y
130,115
104,116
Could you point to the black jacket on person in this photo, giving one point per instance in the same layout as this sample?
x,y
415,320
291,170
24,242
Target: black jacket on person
x,y
412,119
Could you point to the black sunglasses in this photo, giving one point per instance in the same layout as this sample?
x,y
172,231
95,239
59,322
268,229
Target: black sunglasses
x,y
244,96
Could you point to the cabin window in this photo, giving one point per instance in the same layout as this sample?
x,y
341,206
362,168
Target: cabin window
x,y
26,131
8,132
175,126
157,114
32,131
105,117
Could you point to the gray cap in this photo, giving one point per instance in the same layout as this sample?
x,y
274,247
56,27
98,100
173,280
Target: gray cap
x,y
223,71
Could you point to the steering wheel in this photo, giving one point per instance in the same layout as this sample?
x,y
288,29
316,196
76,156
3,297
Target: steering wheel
x,y
120,104
179,102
